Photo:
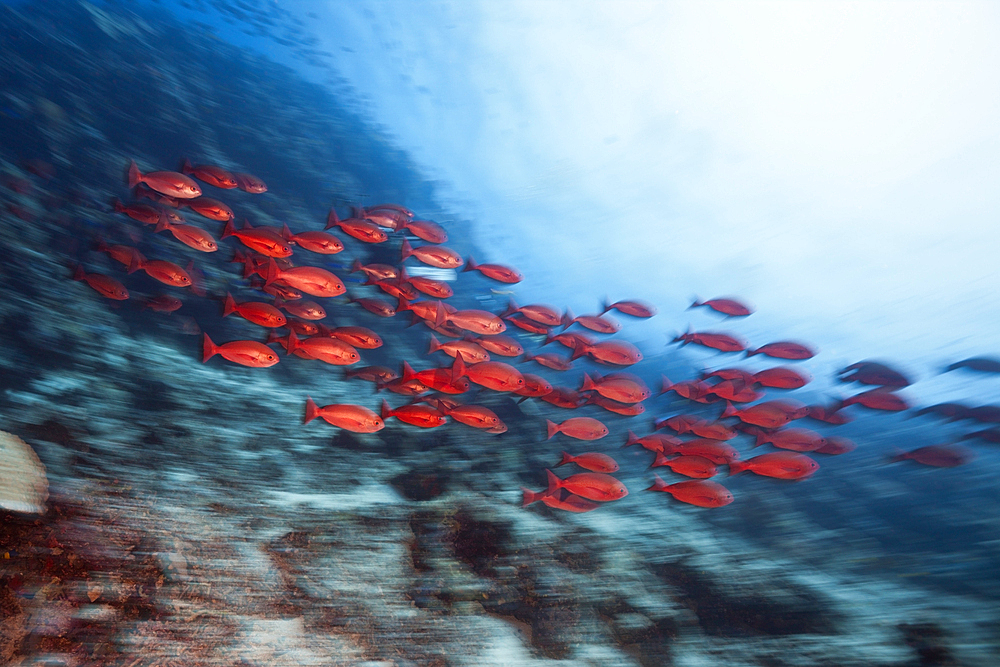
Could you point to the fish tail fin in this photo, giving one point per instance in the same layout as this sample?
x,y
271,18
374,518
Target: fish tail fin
x,y
470,265
696,303
730,411
435,345
632,439
229,229
402,305
605,305
548,337
209,349
567,319
658,484
312,411
660,423
588,383
278,301
162,225
117,206
246,224
660,461
751,353
666,384
736,467
528,496
458,369
511,306
293,342
554,482
761,439
272,271
134,175
406,250
331,218
272,337
135,264
286,233
566,458
385,412
897,456
79,273
578,351
229,305
356,265
440,316
407,372
551,427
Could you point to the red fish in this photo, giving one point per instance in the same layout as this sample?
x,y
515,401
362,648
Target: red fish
x,y
307,310
104,285
436,255
581,428
372,374
439,379
375,306
561,500
249,183
471,352
263,314
633,308
425,310
698,493
769,414
348,417
210,174
473,415
693,390
426,230
781,377
264,241
690,466
717,341
529,326
209,208
835,445
878,399
593,322
784,350
699,427
314,241
410,387
873,372
169,183
309,279
494,375
428,286
189,235
303,327
476,321
243,352
504,274
376,271
781,465
572,340
735,391
544,315
553,361
122,254
592,461
166,272
145,192
534,386
362,230
144,213
626,409
657,442
728,307
417,415
621,388
830,415
563,398
615,352
795,439
730,374
361,337
504,346
163,303
329,350
938,456
714,450
384,216
590,485
396,288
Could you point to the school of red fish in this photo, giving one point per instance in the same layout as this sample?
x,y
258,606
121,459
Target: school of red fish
x,y
470,337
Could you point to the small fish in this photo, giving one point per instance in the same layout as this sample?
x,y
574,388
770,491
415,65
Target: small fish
x,y
429,286
794,439
210,174
309,279
736,391
657,442
372,374
143,191
249,183
477,321
769,414
417,415
354,336
829,415
571,339
835,446
717,341
553,361
209,208
622,388
426,230
260,239
385,216
978,364
615,352
104,285
375,306
169,183
434,255
360,229
730,374
376,271
166,272
781,465
544,315
781,377
563,398
561,500
263,314
728,307
633,308
882,398
938,456
592,461
307,310
163,303
471,352
314,241
527,325
329,350
590,485
699,427
873,372
714,450
534,386
505,346
144,213
697,467
189,235
698,493
581,428
596,323
348,417
504,274
473,415
122,254
626,409
243,352
494,375
784,350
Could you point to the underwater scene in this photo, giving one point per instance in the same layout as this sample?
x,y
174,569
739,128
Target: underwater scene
x,y
430,333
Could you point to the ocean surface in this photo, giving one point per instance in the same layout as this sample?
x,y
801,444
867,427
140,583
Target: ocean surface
x,y
257,426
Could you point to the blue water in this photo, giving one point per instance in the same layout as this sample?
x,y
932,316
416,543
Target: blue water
x,y
604,154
